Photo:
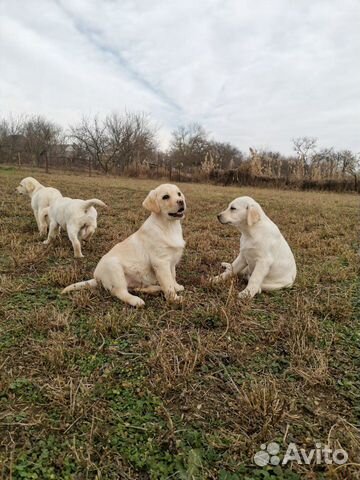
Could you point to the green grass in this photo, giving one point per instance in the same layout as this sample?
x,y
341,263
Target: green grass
x,y
93,389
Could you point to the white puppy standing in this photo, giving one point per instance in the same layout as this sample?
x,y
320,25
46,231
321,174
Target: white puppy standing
x,y
77,217
146,260
41,198
265,256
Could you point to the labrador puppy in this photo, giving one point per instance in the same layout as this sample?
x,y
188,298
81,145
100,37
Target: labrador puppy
x,y
265,257
77,217
146,260
41,198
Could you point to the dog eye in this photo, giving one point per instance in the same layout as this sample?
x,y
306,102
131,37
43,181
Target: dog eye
x,y
166,197
232,208
179,194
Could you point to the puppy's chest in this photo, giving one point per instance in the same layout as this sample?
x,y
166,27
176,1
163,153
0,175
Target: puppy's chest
x,y
250,250
173,241
171,248
167,245
175,249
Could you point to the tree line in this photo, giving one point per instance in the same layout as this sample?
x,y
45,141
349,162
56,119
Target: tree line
x,y
129,144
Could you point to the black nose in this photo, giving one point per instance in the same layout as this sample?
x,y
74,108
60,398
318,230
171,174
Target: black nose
x,y
180,202
218,216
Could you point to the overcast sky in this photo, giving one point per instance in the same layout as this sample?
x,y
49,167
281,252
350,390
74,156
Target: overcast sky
x,y
254,73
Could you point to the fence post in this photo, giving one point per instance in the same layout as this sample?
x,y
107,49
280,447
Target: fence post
x,y
46,161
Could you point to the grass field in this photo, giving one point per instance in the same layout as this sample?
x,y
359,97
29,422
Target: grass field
x,y
93,389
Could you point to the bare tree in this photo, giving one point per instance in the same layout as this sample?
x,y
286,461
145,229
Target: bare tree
x,y
304,148
225,155
12,125
12,138
133,137
115,141
41,135
189,145
349,164
90,135
129,141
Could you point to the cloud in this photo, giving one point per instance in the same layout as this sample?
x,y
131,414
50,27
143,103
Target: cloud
x,y
252,73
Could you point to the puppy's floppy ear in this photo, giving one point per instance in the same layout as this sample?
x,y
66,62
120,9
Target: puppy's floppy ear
x,y
151,202
253,215
29,186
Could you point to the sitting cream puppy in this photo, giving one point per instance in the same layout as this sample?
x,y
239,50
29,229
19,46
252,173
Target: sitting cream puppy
x,y
265,256
41,198
146,260
78,217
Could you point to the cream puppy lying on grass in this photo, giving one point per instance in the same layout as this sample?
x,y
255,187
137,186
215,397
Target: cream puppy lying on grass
x,y
265,257
41,198
146,260
77,217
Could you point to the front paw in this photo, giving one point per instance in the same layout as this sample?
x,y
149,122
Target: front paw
x,y
137,302
179,288
224,275
214,280
46,242
178,300
171,297
247,293
227,266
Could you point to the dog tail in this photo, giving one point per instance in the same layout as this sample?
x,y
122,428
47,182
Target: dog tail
x,y
80,285
92,202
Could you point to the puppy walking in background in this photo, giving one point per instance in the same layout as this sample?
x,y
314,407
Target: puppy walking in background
x,y
265,257
77,217
41,198
146,260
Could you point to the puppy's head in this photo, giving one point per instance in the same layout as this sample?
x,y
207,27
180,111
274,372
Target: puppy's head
x,y
166,200
242,211
27,186
87,231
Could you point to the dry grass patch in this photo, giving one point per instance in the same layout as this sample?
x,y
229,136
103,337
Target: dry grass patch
x,y
91,388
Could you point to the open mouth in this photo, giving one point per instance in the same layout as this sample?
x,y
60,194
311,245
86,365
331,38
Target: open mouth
x,y
179,213
221,221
